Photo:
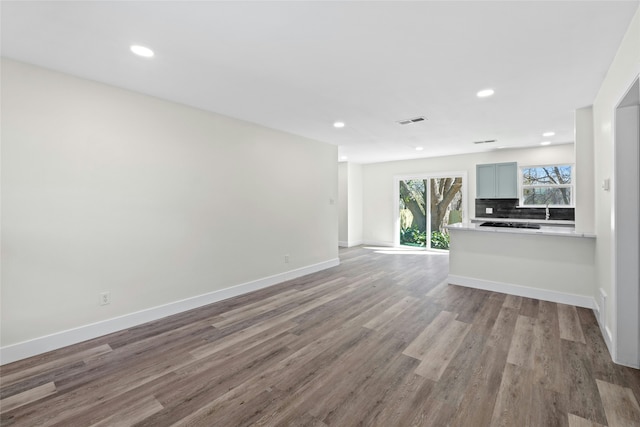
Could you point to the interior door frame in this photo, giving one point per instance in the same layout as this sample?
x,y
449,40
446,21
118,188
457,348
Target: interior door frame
x,y
625,218
421,176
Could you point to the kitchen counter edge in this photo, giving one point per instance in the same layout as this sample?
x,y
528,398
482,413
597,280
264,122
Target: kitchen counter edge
x,y
545,231
530,221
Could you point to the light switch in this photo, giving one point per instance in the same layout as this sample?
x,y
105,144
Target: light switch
x,y
605,184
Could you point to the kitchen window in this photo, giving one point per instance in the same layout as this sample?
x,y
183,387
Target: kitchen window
x,y
548,185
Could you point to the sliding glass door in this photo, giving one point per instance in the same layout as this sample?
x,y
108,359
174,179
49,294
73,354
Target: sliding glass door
x,y
413,219
426,204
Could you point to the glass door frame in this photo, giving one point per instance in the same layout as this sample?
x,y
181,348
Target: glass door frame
x,y
422,176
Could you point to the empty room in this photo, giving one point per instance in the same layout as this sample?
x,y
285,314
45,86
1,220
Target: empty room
x,y
322,213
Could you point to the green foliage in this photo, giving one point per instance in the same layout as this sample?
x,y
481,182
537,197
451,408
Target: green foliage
x,y
411,236
439,240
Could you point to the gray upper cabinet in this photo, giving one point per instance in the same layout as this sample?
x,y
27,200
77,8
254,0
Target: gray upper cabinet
x,y
486,181
497,181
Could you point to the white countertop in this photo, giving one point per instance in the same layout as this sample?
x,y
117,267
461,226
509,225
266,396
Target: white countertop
x,y
545,231
531,221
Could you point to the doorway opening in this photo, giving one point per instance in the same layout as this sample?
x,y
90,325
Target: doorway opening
x,y
425,205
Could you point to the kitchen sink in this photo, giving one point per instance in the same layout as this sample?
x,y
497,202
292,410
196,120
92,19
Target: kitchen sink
x,y
510,225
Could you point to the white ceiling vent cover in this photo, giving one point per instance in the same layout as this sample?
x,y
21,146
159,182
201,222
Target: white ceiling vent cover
x,y
412,120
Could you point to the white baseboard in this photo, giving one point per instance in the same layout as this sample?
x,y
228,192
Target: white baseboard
x,y
596,310
377,243
606,332
524,291
350,244
22,350
608,338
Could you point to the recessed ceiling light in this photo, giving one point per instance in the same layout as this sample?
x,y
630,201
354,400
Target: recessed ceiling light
x,y
485,92
548,134
338,125
419,148
143,51
545,143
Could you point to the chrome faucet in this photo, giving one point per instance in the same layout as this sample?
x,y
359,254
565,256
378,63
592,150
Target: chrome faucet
x,y
546,213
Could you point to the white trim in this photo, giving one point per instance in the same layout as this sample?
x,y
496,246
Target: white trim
x,y
524,291
621,275
600,316
571,186
351,244
608,338
22,350
378,243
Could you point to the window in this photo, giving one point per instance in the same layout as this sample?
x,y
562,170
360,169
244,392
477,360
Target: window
x,y
546,185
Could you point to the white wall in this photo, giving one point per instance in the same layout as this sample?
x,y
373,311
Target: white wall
x,y
355,204
378,181
350,204
584,173
622,73
552,268
343,204
105,189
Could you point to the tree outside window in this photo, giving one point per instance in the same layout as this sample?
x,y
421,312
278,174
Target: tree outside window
x,y
550,185
445,207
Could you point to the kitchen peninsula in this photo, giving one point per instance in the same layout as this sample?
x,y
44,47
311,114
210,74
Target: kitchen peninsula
x,y
552,263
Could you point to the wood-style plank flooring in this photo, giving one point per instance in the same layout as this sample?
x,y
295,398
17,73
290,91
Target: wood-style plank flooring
x,y
381,340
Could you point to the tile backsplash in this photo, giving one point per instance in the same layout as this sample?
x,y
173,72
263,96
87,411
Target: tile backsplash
x,y
508,208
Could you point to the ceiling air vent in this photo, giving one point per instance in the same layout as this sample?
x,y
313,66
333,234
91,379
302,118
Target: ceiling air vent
x,y
413,120
484,142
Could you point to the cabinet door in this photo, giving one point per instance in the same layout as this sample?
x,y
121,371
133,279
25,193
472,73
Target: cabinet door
x,y
507,180
486,181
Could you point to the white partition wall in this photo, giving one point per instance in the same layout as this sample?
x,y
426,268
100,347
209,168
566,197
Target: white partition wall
x,y
584,173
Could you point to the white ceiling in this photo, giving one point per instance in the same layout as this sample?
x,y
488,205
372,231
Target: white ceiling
x,y
299,66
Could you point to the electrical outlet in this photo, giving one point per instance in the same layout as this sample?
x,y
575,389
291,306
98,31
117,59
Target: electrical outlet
x,y
286,259
105,298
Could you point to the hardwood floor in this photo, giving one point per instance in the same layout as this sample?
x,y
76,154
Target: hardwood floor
x,y
381,340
